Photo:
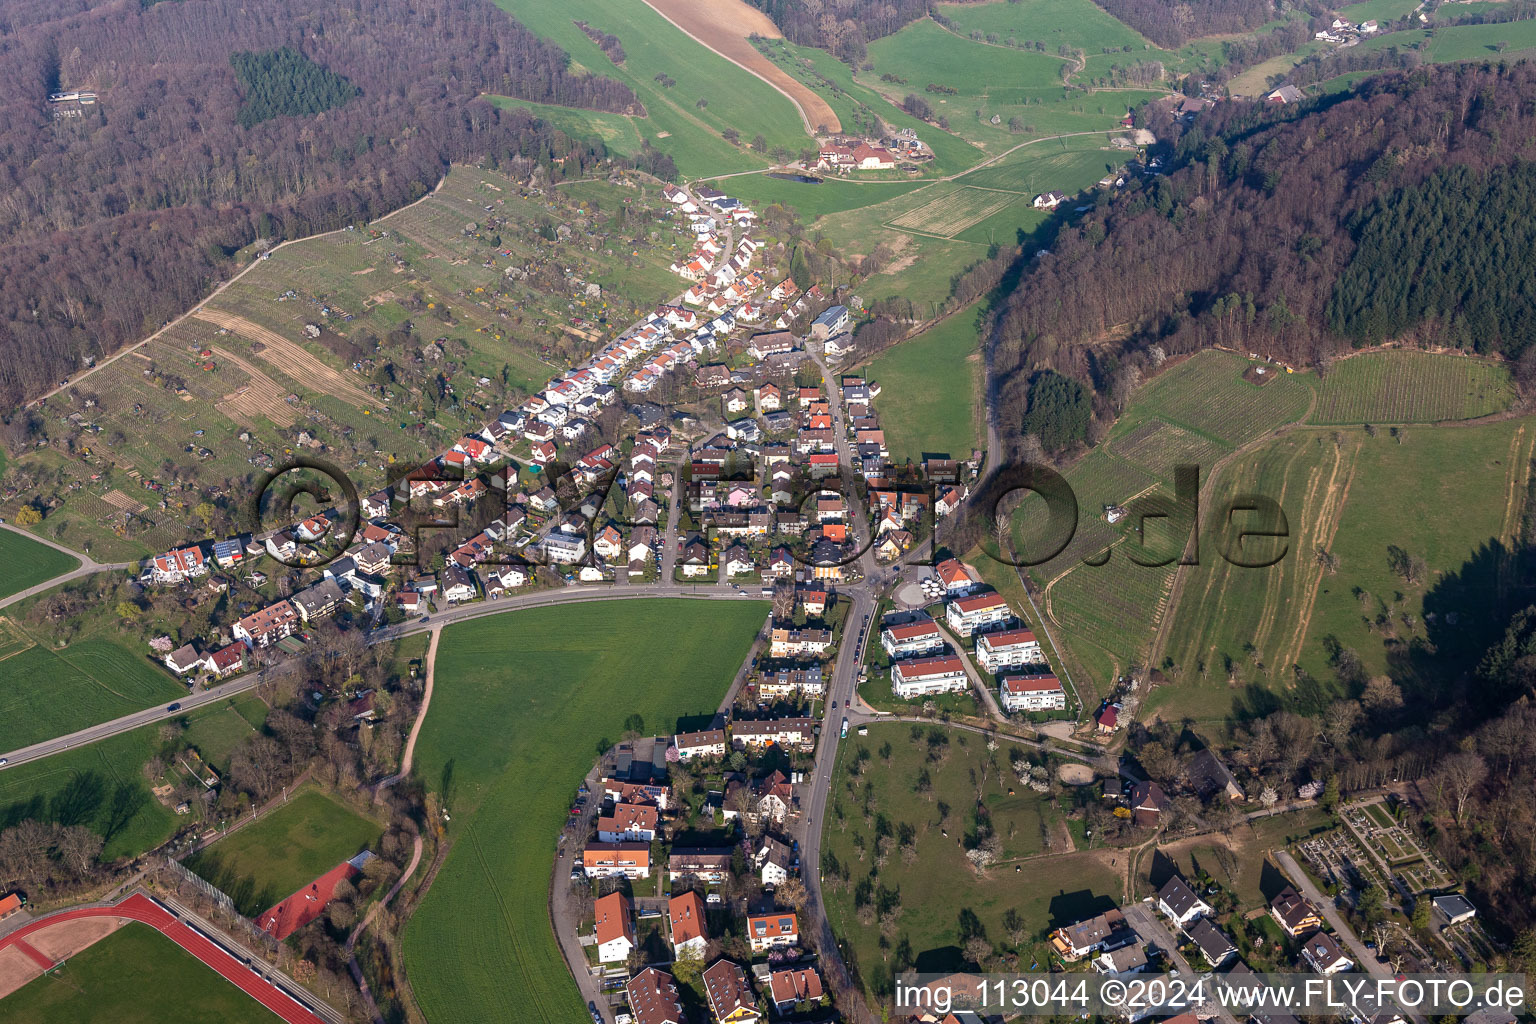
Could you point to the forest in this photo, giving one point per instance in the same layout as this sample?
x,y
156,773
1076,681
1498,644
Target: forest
x,y
845,31
1266,208
118,216
1172,24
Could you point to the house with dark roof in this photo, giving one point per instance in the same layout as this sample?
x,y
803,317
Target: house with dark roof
x,y
1323,954
653,998
731,999
1212,942
1179,903
1295,913
1147,802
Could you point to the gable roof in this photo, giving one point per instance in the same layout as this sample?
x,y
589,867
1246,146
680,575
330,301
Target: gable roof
x,y
726,986
687,916
1178,896
613,918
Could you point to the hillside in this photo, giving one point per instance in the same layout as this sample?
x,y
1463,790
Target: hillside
x,y
1297,233
206,126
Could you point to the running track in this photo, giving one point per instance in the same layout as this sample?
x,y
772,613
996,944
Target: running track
x,y
141,908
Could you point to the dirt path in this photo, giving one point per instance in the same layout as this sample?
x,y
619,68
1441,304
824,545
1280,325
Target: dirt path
x,y
213,294
723,26
421,716
1331,514
290,358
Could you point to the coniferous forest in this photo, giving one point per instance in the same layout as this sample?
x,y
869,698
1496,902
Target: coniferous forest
x,y
1400,211
206,135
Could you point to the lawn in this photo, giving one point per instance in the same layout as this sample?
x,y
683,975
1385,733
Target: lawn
x,y
93,680
942,901
286,849
217,736
133,976
1405,386
523,703
930,390
28,563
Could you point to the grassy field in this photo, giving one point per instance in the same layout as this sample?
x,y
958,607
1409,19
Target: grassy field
x,y
133,976
287,848
673,123
1382,10
931,390
1077,23
942,900
52,692
810,202
102,785
532,696
1411,387
217,736
1342,492
28,563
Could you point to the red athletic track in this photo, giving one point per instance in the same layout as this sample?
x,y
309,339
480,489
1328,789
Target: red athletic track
x,y
141,908
305,905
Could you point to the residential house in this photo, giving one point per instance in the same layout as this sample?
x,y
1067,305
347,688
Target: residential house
x,y
775,797
1032,693
229,553
1011,648
786,732
178,565
1147,802
775,860
1102,932
1323,954
1208,776
1212,942
609,543
921,677
615,928
731,999
788,683
603,860
970,615
1107,718
814,602
785,642
738,561
563,548
1179,903
912,638
267,626
1295,913
707,864
629,823
770,343
772,931
794,986
227,661
1131,959
653,998
955,577
710,743
318,601
1049,200
1286,94
185,659
685,915
695,558
458,584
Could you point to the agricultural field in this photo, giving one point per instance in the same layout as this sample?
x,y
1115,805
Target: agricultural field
x,y
811,202
481,939
133,976
1342,492
1411,387
28,563
1386,10
930,399
674,123
286,849
942,900
51,692
950,214
1207,394
1068,165
167,418
1076,23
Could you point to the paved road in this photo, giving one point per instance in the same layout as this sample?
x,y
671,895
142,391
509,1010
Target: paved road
x,y
1152,928
1364,958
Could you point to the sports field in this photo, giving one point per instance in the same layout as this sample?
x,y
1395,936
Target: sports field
x,y
133,976
931,390
940,901
286,849
532,696
28,563
53,692
1411,387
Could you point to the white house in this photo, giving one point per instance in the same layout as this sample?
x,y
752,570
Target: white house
x,y
615,929
923,676
1032,693
970,615
1179,903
